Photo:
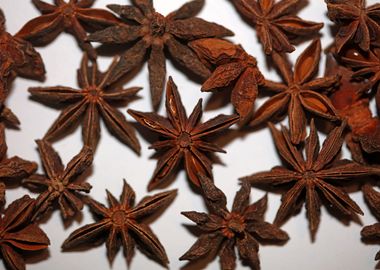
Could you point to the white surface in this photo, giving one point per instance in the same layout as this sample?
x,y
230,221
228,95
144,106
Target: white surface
x,y
336,247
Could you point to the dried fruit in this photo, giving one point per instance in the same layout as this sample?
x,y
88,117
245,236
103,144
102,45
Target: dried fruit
x,y
234,68
123,223
312,179
151,33
74,16
59,185
183,137
300,92
222,230
18,235
87,104
276,23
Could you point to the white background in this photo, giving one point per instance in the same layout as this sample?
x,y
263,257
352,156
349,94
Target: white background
x,y
336,247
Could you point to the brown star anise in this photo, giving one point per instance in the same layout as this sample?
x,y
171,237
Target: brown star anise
x,y
372,232
357,23
123,223
13,168
183,137
300,92
59,184
314,178
222,230
234,68
87,104
74,16
151,33
18,234
276,23
17,57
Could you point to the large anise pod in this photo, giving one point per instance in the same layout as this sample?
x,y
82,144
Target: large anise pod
x,y
151,33
18,235
276,22
11,169
60,186
88,104
353,106
74,16
372,232
123,224
183,137
223,230
299,93
17,57
234,68
311,179
357,23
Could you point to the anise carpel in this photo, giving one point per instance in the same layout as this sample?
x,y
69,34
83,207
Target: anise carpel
x,y
234,68
18,235
60,186
276,22
152,33
372,232
122,223
222,230
301,92
73,16
310,180
88,104
356,23
183,137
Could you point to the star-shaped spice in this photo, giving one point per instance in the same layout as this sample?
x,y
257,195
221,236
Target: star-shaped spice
x,y
312,179
357,23
372,232
300,92
74,16
276,23
87,104
11,169
222,230
234,68
59,185
17,57
123,223
183,137
18,235
151,33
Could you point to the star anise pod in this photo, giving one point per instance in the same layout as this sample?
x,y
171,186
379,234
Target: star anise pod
x,y
73,16
18,235
372,232
87,104
183,137
299,93
222,230
312,179
59,185
12,169
17,57
122,223
357,23
151,33
276,22
233,68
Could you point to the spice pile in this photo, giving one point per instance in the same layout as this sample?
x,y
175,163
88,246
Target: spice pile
x,y
311,175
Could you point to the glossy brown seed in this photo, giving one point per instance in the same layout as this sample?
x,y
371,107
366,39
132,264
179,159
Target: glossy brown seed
x,y
123,223
152,32
314,177
88,104
183,137
223,230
